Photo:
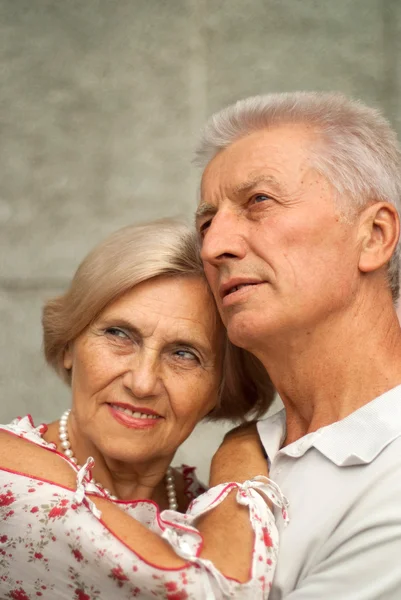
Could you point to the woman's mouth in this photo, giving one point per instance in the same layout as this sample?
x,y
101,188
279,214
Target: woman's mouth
x,y
134,418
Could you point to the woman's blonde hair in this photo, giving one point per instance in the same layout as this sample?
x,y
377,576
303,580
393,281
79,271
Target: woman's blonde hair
x,y
126,258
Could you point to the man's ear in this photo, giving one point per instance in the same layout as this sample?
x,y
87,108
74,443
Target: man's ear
x,y
378,234
67,358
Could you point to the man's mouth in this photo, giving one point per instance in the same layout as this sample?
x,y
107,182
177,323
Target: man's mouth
x,y
230,288
238,287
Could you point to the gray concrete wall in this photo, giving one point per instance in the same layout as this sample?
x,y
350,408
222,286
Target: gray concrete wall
x,y
100,105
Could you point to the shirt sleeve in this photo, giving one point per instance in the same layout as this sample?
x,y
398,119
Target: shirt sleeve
x,y
186,540
361,558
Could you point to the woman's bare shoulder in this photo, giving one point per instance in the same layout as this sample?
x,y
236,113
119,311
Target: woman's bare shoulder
x,y
26,457
13,446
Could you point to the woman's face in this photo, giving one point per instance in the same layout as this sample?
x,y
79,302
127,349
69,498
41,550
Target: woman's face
x,y
147,370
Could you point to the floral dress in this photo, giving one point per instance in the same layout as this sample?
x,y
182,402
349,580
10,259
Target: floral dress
x,y
54,544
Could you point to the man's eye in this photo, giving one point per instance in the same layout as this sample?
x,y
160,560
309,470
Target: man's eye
x,y
258,198
117,333
204,227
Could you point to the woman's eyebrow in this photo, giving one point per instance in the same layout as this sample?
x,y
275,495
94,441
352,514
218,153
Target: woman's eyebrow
x,y
115,321
189,341
205,349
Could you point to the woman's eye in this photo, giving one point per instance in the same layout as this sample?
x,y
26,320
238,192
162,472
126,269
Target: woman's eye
x,y
117,333
186,355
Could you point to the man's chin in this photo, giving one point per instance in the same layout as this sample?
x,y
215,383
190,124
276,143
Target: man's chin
x,y
242,331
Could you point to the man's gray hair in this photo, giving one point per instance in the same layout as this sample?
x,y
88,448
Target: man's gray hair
x,y
356,149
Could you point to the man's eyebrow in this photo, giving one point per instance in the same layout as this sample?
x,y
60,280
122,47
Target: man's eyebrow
x,y
251,182
205,209
209,210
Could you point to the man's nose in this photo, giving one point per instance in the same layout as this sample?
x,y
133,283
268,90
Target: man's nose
x,y
224,239
142,378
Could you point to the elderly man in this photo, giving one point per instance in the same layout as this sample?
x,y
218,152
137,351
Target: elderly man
x,y
299,224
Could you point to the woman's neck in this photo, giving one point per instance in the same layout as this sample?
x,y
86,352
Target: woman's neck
x,y
124,480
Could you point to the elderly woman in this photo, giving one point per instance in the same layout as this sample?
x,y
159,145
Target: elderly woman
x,y
138,339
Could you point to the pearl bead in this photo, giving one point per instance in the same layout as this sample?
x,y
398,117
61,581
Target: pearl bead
x,y
63,436
65,444
68,453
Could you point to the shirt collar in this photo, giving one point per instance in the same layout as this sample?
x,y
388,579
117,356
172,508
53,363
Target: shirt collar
x,y
272,434
357,439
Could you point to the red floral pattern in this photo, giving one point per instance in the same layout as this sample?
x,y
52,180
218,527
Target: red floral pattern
x,y
7,498
53,546
19,594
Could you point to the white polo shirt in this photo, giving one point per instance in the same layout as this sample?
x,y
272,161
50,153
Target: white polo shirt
x,y
343,483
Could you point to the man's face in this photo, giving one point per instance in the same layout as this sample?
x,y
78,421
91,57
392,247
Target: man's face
x,y
277,254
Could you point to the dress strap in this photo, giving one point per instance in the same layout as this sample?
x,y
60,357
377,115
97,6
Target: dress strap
x,y
85,485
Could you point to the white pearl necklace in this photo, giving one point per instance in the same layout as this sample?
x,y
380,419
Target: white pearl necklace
x,y
66,446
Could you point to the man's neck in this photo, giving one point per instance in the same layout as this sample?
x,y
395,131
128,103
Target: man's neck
x,y
334,369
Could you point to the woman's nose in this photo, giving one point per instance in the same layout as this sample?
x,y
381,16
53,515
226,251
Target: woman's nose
x,y
142,377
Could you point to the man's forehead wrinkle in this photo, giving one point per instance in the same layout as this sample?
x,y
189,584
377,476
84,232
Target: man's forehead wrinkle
x,y
256,179
223,179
